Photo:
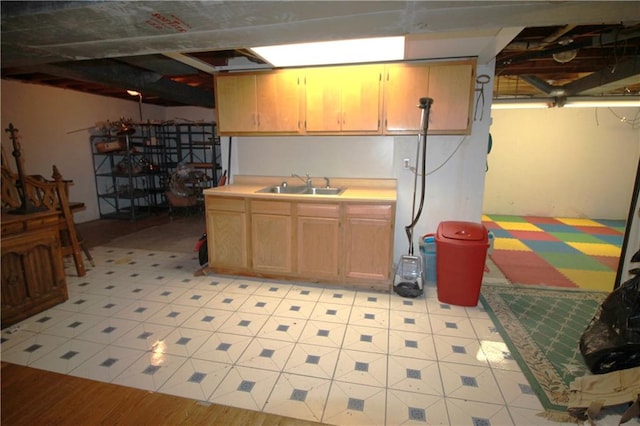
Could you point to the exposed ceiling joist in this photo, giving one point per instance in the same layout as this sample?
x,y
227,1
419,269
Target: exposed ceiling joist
x,y
537,50
192,62
543,86
622,71
617,72
160,64
119,75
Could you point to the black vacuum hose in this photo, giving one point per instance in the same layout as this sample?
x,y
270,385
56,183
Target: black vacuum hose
x,y
425,106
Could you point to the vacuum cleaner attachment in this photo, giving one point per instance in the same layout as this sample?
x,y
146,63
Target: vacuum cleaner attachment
x,y
409,276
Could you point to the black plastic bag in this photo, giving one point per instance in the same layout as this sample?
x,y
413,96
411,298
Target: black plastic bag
x,y
611,341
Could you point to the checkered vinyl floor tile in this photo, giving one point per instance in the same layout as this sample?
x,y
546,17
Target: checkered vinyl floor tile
x,y
559,252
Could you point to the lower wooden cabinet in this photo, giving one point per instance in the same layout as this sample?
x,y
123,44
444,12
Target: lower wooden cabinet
x,y
33,277
227,232
368,242
318,251
329,242
271,236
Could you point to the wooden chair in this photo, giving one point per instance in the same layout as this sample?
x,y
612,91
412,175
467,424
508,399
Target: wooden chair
x,y
51,195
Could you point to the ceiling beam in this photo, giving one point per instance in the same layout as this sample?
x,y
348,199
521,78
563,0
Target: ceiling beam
x,y
122,76
543,86
160,64
192,62
617,72
612,37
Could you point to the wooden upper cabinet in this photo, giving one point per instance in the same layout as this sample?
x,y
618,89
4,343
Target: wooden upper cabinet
x,y
344,99
235,96
277,105
450,85
265,102
352,99
404,84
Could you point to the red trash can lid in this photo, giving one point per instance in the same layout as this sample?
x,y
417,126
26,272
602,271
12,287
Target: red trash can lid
x,y
469,231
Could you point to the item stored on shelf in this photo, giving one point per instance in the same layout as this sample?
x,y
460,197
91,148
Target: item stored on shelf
x,y
109,146
136,166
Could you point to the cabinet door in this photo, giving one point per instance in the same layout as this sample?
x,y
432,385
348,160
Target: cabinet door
x,y
226,232
235,98
323,100
277,101
271,236
318,229
33,277
368,242
361,98
405,84
451,88
343,99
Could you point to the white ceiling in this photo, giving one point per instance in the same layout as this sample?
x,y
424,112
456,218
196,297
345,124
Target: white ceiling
x,y
37,35
99,29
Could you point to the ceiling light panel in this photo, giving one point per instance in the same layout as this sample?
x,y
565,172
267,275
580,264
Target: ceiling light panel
x,y
334,52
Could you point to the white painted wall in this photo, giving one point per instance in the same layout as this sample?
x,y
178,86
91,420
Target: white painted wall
x,y
52,125
563,162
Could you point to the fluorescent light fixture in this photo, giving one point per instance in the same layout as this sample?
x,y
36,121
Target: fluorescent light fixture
x,y
334,52
521,103
570,102
609,102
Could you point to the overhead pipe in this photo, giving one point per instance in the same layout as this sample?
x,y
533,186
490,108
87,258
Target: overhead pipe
x,y
550,39
594,41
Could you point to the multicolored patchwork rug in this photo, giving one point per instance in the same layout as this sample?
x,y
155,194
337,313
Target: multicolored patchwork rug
x,y
542,327
557,252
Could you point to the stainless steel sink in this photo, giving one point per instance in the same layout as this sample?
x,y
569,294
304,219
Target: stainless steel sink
x,y
299,189
279,189
323,191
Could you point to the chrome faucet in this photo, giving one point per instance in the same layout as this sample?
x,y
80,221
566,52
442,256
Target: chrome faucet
x,y
326,181
307,181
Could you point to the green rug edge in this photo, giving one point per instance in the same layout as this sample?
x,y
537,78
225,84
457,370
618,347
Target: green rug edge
x,y
539,391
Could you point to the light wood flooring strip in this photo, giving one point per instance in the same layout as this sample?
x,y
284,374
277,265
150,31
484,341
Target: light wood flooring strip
x,y
37,397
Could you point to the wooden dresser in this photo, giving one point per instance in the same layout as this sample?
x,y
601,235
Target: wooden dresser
x,y
33,277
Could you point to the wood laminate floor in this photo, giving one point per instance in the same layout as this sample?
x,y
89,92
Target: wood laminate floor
x,y
36,397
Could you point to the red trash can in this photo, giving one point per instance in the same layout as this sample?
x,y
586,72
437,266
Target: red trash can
x,y
462,253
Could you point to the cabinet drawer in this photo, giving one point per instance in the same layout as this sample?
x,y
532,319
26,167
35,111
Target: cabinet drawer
x,y
224,203
319,210
29,224
373,211
42,222
271,207
12,228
